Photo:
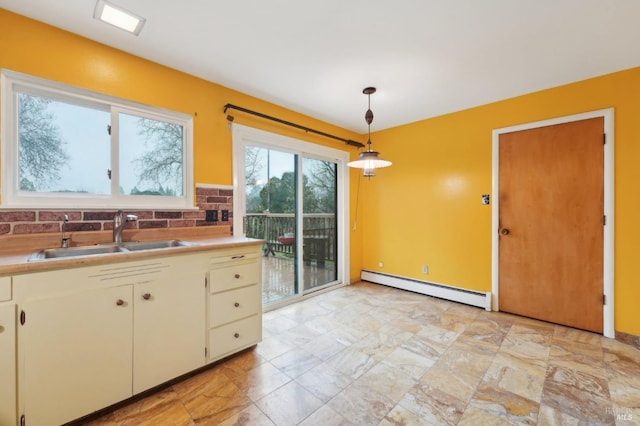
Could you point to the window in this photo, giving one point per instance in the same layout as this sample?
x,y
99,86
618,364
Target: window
x,y
65,145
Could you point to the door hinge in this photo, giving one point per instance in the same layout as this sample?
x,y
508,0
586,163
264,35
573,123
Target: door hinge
x,y
604,139
206,281
109,129
23,317
604,220
23,421
205,352
604,299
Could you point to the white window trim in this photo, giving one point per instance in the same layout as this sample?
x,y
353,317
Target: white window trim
x,y
12,198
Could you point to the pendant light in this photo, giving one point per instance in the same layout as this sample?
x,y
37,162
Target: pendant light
x,y
369,160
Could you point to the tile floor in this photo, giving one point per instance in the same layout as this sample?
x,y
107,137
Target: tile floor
x,y
372,355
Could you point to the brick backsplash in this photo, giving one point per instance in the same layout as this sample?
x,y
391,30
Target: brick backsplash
x,y
34,221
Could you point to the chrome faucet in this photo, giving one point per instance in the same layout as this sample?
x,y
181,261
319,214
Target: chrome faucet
x,y
119,223
64,242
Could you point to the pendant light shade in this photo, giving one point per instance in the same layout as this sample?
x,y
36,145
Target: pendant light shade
x,y
369,160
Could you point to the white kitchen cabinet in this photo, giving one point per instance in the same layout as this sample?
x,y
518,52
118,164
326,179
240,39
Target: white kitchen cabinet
x,y
169,325
235,301
94,336
75,353
8,360
85,338
5,289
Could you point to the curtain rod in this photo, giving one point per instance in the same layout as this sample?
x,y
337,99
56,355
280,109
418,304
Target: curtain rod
x,y
288,123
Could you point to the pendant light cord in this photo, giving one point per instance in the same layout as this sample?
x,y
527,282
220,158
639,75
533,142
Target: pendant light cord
x,y
369,123
355,217
369,118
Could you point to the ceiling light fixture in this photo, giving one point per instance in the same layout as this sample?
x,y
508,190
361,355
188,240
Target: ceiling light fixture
x,y
369,160
118,17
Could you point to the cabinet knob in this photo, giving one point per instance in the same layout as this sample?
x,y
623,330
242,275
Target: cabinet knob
x,y
237,305
119,302
237,275
146,296
237,335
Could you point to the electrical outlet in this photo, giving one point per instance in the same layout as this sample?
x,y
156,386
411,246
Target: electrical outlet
x,y
425,269
225,215
211,216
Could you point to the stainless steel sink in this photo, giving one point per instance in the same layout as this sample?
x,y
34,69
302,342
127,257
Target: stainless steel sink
x,y
107,248
56,253
154,245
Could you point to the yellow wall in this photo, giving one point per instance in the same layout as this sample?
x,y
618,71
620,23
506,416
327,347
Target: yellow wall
x,y
426,208
40,50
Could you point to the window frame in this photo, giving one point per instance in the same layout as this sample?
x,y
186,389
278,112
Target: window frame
x,y
13,83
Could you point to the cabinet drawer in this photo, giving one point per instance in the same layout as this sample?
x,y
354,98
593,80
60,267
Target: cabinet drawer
x,y
235,257
232,305
5,288
234,276
232,337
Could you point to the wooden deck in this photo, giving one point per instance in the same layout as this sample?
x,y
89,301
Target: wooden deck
x,y
278,277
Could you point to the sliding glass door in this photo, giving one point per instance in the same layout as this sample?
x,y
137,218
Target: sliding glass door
x,y
319,231
290,199
270,200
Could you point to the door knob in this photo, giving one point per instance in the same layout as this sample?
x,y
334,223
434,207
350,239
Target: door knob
x,y
505,231
119,302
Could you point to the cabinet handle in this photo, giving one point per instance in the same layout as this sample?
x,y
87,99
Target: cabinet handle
x,y
146,296
238,257
237,305
237,335
119,302
237,275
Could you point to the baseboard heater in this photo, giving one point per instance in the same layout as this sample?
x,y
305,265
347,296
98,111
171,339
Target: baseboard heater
x,y
454,294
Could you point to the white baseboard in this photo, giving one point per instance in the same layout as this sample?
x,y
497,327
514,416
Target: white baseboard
x,y
454,294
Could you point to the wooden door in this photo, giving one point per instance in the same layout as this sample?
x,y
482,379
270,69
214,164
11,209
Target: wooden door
x,y
551,211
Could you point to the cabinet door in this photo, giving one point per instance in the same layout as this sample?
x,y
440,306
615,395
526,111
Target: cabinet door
x,y
169,326
75,353
8,364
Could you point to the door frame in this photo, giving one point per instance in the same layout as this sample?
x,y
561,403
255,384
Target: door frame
x,y
243,136
608,186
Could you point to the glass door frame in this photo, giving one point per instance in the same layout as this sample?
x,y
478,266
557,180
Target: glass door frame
x,y
244,136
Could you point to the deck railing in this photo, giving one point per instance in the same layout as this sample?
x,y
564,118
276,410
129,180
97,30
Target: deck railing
x,y
317,227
